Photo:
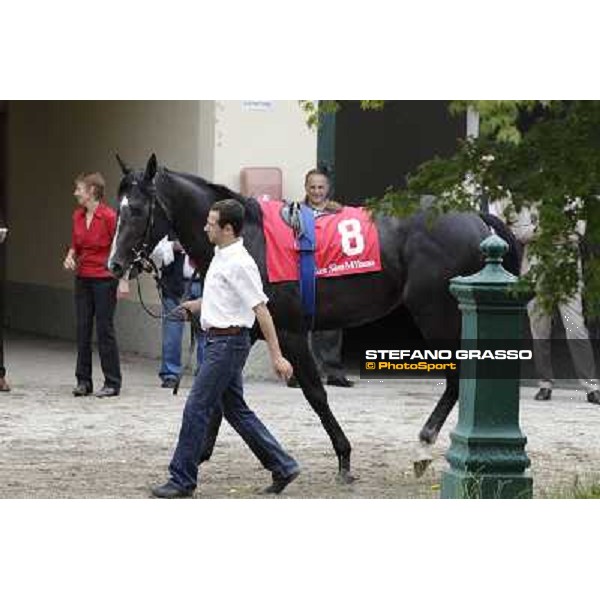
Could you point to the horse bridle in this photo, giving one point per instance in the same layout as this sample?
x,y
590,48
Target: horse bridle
x,y
143,260
141,254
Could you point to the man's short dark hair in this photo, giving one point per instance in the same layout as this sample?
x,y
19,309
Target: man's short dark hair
x,y
231,212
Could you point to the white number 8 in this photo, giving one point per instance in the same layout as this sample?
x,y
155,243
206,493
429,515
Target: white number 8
x,y
353,242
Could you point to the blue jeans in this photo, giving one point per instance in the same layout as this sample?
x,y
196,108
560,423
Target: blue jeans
x,y
172,336
219,383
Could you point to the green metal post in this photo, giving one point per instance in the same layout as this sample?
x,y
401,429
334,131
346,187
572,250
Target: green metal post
x,y
487,453
326,145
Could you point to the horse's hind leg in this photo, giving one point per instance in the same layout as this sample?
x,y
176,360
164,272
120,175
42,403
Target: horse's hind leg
x,y
444,406
434,424
438,321
295,348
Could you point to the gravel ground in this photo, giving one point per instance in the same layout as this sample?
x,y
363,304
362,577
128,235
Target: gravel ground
x,y
53,445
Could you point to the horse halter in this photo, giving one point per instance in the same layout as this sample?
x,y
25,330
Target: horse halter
x,y
144,261
141,254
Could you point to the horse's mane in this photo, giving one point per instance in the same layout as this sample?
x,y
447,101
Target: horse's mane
x,y
253,212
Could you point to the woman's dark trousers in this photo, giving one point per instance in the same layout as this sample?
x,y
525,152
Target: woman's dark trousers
x,y
97,298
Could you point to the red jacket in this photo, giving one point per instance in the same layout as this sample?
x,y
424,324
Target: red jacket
x,y
92,246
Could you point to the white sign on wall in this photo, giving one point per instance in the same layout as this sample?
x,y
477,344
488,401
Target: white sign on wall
x,y
257,105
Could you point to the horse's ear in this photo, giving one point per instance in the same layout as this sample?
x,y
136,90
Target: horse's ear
x,y
151,168
126,170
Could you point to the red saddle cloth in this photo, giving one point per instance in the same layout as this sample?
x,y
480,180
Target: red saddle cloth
x,y
347,243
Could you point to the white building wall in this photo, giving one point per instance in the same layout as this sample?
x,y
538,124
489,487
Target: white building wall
x,y
265,134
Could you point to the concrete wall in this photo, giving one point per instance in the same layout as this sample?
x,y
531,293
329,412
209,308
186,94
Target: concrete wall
x,y
267,134
49,143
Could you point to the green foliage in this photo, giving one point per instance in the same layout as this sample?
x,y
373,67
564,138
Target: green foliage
x,y
583,487
591,492
548,164
553,164
316,110
372,104
498,117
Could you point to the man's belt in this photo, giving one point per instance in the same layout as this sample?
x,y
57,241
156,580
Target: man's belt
x,y
225,330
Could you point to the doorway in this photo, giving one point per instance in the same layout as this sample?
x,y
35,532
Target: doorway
x,y
370,151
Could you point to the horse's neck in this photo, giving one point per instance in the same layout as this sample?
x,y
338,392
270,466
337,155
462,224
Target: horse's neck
x,y
189,209
187,218
254,240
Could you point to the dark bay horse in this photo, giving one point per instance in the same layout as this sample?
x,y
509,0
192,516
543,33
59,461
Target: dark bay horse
x,y
418,258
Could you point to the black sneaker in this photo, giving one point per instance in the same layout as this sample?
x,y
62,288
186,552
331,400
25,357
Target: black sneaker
x,y
82,389
169,383
543,395
170,491
340,382
594,397
280,483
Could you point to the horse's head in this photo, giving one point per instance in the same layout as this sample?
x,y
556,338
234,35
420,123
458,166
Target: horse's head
x,y
141,223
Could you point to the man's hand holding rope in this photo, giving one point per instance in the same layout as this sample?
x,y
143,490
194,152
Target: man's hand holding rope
x,y
188,308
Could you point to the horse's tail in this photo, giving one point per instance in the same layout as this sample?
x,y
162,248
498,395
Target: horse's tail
x,y
512,259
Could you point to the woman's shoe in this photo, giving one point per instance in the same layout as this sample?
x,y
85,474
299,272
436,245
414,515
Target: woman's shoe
x,y
82,389
543,395
107,391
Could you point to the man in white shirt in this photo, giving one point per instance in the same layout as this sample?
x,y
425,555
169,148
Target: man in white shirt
x,y
233,298
177,280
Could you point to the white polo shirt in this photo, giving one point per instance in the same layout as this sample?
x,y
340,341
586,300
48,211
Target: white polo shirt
x,y
232,288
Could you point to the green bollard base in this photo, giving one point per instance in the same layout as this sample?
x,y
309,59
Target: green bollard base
x,y
485,486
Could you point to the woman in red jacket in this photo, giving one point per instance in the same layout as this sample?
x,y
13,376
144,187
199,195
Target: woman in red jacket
x,y
94,225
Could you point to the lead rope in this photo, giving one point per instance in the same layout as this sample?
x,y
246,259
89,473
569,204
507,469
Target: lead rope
x,y
194,333
194,320
194,339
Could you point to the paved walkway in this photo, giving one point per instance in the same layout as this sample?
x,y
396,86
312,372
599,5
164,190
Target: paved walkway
x,y
53,445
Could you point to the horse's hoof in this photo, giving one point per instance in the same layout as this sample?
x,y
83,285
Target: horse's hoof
x,y
422,458
345,477
428,436
420,466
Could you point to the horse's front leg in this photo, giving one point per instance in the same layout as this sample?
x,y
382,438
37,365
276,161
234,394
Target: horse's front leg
x,y
295,347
